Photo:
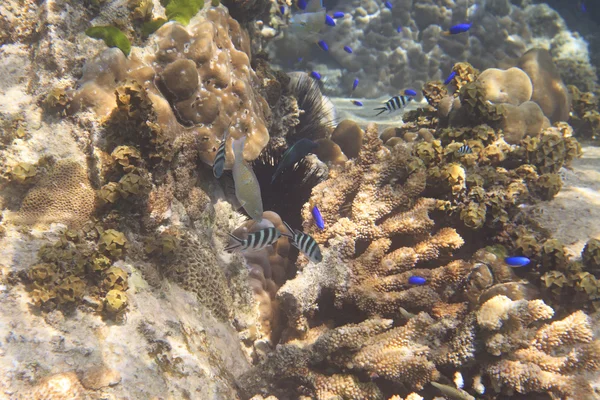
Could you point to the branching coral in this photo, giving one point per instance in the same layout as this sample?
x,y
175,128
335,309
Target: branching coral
x,y
553,358
366,204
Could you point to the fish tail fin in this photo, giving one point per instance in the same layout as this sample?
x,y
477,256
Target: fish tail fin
x,y
446,33
381,110
238,243
289,228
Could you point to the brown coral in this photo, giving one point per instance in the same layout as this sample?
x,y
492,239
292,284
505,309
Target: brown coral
x,y
552,358
203,81
549,91
197,269
64,195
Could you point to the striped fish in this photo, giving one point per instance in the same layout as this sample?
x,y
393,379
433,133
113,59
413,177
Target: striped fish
x,y
464,149
305,243
255,241
219,161
395,103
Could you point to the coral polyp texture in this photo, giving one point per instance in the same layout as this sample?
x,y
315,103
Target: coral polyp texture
x,y
63,195
198,81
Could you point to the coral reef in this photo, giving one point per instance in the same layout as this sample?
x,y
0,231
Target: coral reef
x,y
63,195
409,48
181,104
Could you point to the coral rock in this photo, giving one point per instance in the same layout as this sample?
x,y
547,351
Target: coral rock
x,y
549,91
511,86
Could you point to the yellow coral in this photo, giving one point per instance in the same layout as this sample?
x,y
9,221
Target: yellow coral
x,y
64,195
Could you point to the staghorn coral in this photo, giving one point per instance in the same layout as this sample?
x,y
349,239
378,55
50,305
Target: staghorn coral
x,y
64,195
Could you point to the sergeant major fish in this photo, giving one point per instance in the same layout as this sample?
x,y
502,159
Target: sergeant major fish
x,y
219,162
464,149
247,189
305,243
393,104
255,241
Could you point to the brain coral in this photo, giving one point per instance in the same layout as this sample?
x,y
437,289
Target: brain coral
x,y
64,195
198,79
198,270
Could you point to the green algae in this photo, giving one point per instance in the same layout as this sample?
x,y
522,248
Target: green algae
x,y
112,37
181,10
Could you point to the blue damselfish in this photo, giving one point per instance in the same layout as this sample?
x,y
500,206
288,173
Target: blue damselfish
x,y
517,261
318,218
417,280
450,77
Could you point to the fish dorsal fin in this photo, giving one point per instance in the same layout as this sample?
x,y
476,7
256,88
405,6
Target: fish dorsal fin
x,y
290,229
314,5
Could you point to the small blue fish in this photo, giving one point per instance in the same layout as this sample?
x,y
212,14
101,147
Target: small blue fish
x,y
329,21
348,49
388,5
294,154
399,29
464,149
357,103
582,7
355,84
456,29
315,75
282,10
417,280
338,14
302,4
410,92
323,44
318,218
450,77
517,261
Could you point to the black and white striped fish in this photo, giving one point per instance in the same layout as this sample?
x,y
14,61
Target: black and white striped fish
x,y
219,161
305,243
395,103
464,149
255,241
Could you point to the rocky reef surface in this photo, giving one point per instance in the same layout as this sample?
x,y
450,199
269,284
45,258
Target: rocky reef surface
x,y
403,46
114,282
